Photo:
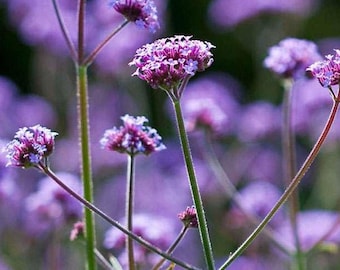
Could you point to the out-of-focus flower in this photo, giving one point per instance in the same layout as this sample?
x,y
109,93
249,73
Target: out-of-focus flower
x,y
142,12
228,13
259,120
327,71
258,198
167,61
291,57
156,230
30,146
313,225
189,217
132,138
77,231
210,103
51,207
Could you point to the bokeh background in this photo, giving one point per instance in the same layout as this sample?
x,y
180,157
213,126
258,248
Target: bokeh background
x,y
37,86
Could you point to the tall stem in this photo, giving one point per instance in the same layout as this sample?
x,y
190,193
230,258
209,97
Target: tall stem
x,y
289,159
129,207
86,172
172,247
202,222
292,186
111,221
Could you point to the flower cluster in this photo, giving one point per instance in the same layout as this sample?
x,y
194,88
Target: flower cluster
x,y
167,61
327,71
142,12
291,56
30,146
189,217
133,137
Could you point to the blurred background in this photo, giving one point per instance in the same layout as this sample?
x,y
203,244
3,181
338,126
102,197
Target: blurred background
x,y
37,86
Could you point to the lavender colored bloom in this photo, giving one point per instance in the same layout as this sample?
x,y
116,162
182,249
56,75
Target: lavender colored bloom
x,y
259,197
30,146
210,103
291,57
228,13
189,217
142,12
327,71
132,138
51,207
167,61
313,225
156,230
259,120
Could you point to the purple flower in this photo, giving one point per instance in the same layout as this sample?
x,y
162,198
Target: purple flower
x,y
313,226
291,57
155,229
142,12
189,217
166,62
228,13
215,109
259,120
327,71
30,146
133,137
51,207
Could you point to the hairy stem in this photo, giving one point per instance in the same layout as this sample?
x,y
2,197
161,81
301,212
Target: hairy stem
x,y
196,196
292,186
45,169
129,208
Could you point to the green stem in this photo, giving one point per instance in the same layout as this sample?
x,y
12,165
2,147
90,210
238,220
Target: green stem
x,y
292,186
86,173
129,207
202,222
231,191
289,159
172,247
45,169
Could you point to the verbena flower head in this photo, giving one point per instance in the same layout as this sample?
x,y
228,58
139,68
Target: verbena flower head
x,y
30,146
166,62
189,217
291,56
133,137
141,12
327,71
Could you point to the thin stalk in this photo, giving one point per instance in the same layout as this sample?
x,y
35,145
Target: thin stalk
x,y
45,169
289,159
129,207
292,186
89,59
196,196
230,190
102,261
86,171
172,247
81,30
64,31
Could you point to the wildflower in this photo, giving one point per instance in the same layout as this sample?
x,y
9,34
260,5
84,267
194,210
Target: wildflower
x,y
30,146
155,229
210,104
77,231
189,217
133,137
327,71
291,56
141,12
51,207
166,62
